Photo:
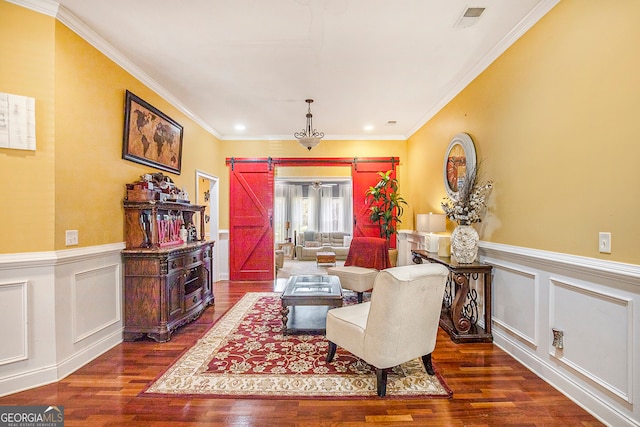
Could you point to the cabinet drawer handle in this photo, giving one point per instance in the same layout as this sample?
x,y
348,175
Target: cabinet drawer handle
x,y
195,258
173,265
195,299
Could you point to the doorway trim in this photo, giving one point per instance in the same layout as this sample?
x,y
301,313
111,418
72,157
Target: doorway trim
x,y
214,218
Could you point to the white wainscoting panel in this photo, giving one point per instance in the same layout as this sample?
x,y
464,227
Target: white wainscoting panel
x,y
515,301
591,301
14,318
600,344
63,306
89,296
98,289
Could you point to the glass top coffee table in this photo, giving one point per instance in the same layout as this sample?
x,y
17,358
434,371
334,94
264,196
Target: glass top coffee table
x,y
310,296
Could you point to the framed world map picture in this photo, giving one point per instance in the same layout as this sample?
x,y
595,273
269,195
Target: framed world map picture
x,y
151,137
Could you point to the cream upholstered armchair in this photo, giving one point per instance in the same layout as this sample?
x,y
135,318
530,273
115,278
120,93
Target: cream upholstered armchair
x,y
399,324
367,256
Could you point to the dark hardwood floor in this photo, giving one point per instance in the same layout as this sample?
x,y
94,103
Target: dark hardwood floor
x,y
490,388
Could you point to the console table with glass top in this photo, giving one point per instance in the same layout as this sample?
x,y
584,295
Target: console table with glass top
x,y
460,305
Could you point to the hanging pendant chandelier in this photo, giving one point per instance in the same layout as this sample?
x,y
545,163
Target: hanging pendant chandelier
x,y
309,137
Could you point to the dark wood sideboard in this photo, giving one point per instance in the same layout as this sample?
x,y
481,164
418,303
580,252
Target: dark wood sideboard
x,y
167,281
460,305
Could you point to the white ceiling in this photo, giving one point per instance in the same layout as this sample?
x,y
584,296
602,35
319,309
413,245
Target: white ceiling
x,y
254,62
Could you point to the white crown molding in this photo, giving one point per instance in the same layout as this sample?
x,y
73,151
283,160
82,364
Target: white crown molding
x,y
458,85
46,7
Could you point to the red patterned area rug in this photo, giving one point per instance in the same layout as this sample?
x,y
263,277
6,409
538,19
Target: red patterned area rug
x,y
246,355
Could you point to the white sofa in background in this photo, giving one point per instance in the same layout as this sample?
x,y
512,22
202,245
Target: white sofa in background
x,y
308,243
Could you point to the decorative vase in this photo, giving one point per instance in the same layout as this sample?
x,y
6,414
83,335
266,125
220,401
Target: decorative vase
x,y
464,244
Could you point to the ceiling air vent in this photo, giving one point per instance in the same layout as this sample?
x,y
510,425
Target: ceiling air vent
x,y
469,17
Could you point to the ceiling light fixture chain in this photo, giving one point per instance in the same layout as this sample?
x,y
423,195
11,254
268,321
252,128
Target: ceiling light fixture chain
x,y
309,137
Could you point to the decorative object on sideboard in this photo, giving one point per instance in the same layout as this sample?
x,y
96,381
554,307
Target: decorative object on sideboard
x,y
444,246
431,223
309,137
156,216
467,209
464,244
155,186
151,137
467,198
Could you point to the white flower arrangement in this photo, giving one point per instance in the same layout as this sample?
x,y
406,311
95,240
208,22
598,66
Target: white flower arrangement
x,y
469,204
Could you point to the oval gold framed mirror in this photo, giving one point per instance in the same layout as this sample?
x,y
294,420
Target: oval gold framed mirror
x,y
459,160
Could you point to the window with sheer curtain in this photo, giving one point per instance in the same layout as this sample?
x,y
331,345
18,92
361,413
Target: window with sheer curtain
x,y
304,208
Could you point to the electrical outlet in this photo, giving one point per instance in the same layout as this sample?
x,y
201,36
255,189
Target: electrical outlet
x,y
71,237
604,243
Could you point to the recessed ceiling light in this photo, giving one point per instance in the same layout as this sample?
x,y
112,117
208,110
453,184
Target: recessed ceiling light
x,y
368,127
240,127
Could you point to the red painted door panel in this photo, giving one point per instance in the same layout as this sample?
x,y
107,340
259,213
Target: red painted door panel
x,y
365,175
251,255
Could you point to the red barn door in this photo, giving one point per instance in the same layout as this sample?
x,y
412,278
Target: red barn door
x,y
251,255
365,175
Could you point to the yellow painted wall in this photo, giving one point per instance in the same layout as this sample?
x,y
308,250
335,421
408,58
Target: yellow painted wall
x,y
555,122
90,172
553,119
76,178
26,69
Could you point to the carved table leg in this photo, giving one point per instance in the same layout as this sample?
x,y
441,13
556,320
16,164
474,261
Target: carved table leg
x,y
285,318
460,323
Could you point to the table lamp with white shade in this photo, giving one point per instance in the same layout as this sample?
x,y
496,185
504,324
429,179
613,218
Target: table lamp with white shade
x,y
430,223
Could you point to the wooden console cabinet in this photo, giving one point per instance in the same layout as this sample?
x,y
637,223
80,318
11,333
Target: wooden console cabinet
x,y
167,282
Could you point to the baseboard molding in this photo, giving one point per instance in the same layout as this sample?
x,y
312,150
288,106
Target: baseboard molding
x,y
27,380
87,354
38,377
